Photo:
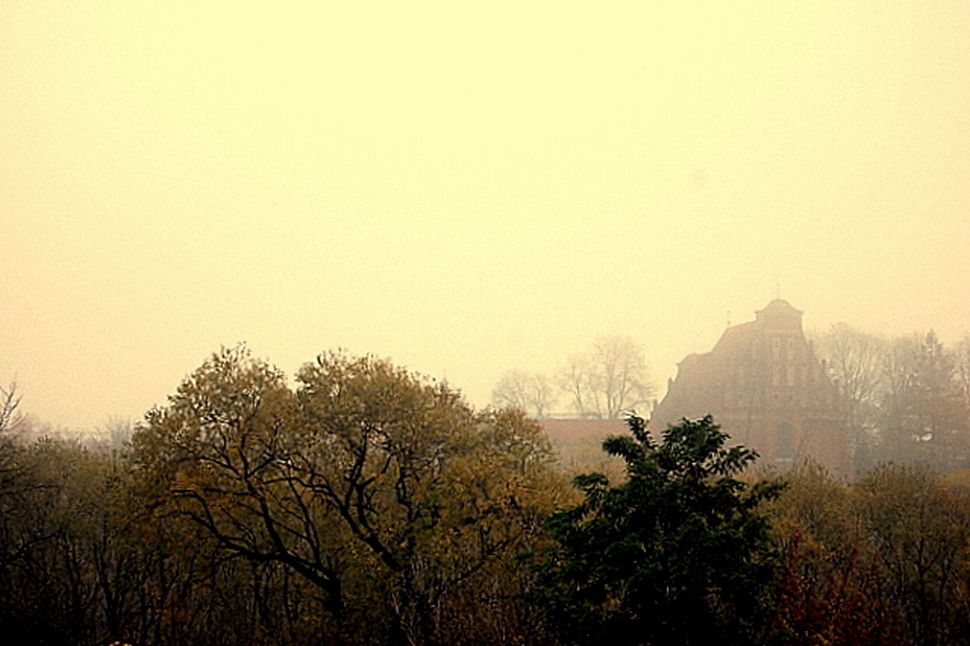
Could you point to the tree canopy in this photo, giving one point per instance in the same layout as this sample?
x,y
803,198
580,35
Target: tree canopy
x,y
365,472
678,553
363,503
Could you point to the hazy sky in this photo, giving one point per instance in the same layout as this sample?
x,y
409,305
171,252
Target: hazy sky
x,y
465,190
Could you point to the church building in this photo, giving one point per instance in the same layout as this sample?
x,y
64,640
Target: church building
x,y
765,387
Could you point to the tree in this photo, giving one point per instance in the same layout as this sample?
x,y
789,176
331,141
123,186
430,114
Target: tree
x,y
609,380
9,401
435,491
381,489
926,416
961,357
857,363
920,533
528,391
679,553
832,588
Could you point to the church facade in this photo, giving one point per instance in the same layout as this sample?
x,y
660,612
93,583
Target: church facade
x,y
764,385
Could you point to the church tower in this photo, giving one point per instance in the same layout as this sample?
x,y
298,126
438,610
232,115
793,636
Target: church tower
x,y
765,387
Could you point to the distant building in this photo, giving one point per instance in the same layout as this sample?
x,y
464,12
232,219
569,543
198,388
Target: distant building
x,y
765,387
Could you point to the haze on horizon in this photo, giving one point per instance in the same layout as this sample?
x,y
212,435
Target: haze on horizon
x,y
465,190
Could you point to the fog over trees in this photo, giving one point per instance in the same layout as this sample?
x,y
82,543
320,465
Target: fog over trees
x,y
531,392
521,221
907,397
609,380
364,503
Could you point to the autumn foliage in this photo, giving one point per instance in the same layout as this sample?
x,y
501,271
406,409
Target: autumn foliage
x,y
362,503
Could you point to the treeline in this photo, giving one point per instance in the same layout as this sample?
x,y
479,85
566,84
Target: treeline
x,y
907,398
885,560
365,504
602,383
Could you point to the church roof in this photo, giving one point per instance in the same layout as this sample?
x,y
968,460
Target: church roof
x,y
779,306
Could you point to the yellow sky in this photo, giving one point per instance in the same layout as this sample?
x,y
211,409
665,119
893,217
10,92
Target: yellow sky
x,y
465,190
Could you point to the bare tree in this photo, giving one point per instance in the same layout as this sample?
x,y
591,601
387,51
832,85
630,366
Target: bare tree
x,y
962,362
857,362
610,379
529,391
9,400
899,368
574,379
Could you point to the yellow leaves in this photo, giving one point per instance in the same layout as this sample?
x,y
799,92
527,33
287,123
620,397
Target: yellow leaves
x,y
364,472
